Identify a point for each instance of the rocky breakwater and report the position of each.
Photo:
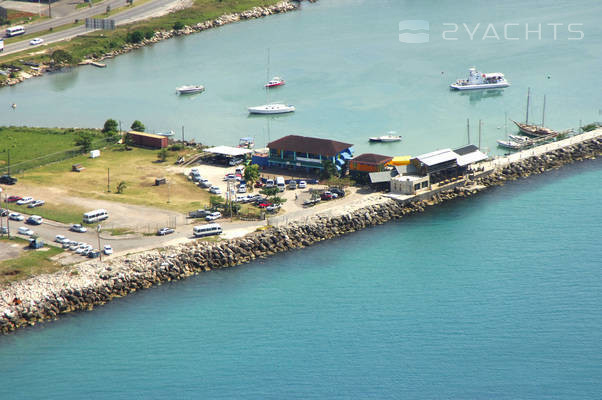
(93, 283)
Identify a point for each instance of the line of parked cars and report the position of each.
(28, 200)
(82, 248)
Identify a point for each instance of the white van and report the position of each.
(207, 230)
(95, 216)
(269, 183)
(292, 184)
(280, 184)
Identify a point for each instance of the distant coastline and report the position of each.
(93, 283)
(225, 19)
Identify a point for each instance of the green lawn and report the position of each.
(55, 212)
(29, 263)
(29, 147)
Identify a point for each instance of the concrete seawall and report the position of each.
(93, 283)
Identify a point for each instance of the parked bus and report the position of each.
(207, 230)
(15, 31)
(95, 216)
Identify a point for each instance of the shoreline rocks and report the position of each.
(46, 297)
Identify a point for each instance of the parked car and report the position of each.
(264, 205)
(240, 170)
(108, 250)
(8, 180)
(4, 212)
(16, 217)
(36, 41)
(302, 184)
(194, 171)
(229, 177)
(242, 188)
(259, 184)
(215, 190)
(3, 230)
(59, 238)
(94, 254)
(165, 231)
(269, 183)
(78, 228)
(292, 184)
(204, 183)
(35, 220)
(25, 231)
(12, 199)
(213, 216)
(36, 203)
(273, 208)
(326, 195)
(337, 191)
(24, 200)
(235, 161)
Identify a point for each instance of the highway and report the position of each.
(124, 17)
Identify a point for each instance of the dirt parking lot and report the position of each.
(10, 250)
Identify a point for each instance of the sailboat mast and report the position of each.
(528, 98)
(543, 115)
(506, 124)
(468, 129)
(479, 134)
(267, 78)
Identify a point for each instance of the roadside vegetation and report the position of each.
(98, 43)
(29, 262)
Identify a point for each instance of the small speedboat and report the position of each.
(274, 108)
(477, 80)
(275, 81)
(190, 89)
(166, 133)
(390, 137)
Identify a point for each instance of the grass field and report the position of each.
(138, 168)
(54, 212)
(42, 144)
(29, 263)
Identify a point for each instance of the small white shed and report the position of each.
(95, 153)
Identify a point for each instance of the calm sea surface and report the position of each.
(494, 297)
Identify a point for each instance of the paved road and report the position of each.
(121, 18)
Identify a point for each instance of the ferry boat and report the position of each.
(275, 81)
(273, 108)
(478, 80)
(386, 138)
(190, 89)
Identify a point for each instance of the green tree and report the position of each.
(61, 56)
(110, 126)
(162, 155)
(277, 200)
(270, 191)
(178, 25)
(216, 201)
(138, 126)
(251, 174)
(84, 140)
(121, 187)
(134, 37)
(328, 169)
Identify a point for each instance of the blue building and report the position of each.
(301, 152)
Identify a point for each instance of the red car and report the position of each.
(264, 205)
(12, 199)
(258, 184)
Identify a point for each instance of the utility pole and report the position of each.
(7, 218)
(182, 133)
(98, 236)
(49, 9)
(468, 129)
(8, 167)
(528, 98)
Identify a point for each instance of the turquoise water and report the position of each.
(347, 72)
(493, 297)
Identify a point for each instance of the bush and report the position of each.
(176, 147)
(178, 25)
(134, 37)
(149, 34)
(62, 57)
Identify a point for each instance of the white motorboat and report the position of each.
(390, 137)
(190, 89)
(273, 108)
(521, 139)
(275, 81)
(166, 133)
(478, 80)
(509, 144)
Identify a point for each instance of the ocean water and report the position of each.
(347, 73)
(497, 296)
(492, 297)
